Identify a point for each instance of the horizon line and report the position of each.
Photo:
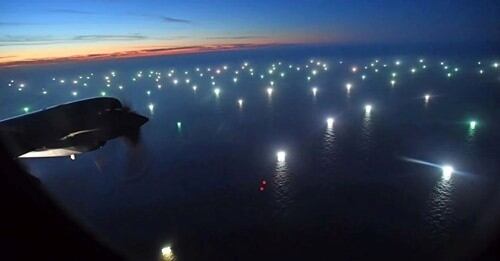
(148, 52)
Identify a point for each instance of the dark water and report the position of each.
(346, 192)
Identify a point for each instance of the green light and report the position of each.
(472, 125)
(103, 93)
(26, 109)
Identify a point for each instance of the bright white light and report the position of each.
(103, 93)
(151, 107)
(175, 81)
(393, 82)
(413, 70)
(354, 69)
(495, 65)
(235, 79)
(368, 108)
(217, 91)
(393, 74)
(26, 109)
(179, 124)
(44, 92)
(148, 93)
(427, 97)
(240, 102)
(329, 122)
(195, 87)
(447, 171)
(398, 63)
(363, 76)
(281, 156)
(314, 72)
(348, 86)
(74, 93)
(269, 91)
(314, 90)
(72, 157)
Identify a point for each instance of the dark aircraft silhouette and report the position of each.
(70, 129)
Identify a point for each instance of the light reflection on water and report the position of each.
(329, 151)
(281, 183)
(366, 134)
(441, 209)
(471, 136)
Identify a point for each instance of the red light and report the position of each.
(261, 188)
(264, 182)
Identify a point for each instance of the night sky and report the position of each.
(33, 30)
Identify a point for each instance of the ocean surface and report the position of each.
(205, 183)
